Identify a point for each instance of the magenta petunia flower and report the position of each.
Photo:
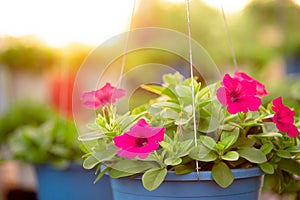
(105, 95)
(284, 118)
(260, 88)
(140, 140)
(238, 95)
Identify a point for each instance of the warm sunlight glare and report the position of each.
(61, 22)
(230, 6)
(297, 1)
(176, 1)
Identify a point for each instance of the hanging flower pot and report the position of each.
(236, 137)
(247, 186)
(73, 183)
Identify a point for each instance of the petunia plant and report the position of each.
(225, 126)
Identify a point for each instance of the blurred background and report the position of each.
(44, 43)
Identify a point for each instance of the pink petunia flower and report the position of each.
(103, 96)
(260, 88)
(238, 95)
(140, 140)
(284, 118)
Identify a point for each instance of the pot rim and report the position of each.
(207, 176)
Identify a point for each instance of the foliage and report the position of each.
(22, 113)
(36, 134)
(31, 58)
(224, 139)
(269, 30)
(28, 53)
(261, 32)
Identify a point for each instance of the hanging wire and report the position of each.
(192, 78)
(229, 39)
(126, 44)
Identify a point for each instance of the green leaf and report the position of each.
(290, 166)
(209, 142)
(268, 134)
(267, 148)
(284, 154)
(169, 114)
(231, 130)
(105, 155)
(243, 142)
(139, 109)
(267, 168)
(294, 149)
(93, 135)
(90, 162)
(204, 113)
(165, 145)
(153, 178)
(113, 173)
(253, 155)
(230, 156)
(229, 140)
(188, 109)
(126, 121)
(222, 175)
(132, 166)
(100, 175)
(171, 105)
(185, 147)
(203, 154)
(173, 161)
(183, 91)
(184, 169)
(160, 91)
(208, 125)
(219, 148)
(173, 79)
(204, 92)
(182, 121)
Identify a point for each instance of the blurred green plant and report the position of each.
(35, 134)
(55, 142)
(21, 114)
(264, 30)
(30, 54)
(31, 58)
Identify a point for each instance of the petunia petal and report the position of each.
(260, 88)
(239, 94)
(284, 118)
(139, 141)
(101, 97)
(277, 104)
(221, 95)
(90, 100)
(255, 103)
(290, 129)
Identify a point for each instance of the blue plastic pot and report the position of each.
(246, 186)
(74, 183)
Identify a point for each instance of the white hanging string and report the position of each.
(229, 39)
(126, 44)
(192, 78)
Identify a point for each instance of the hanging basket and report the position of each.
(246, 186)
(73, 183)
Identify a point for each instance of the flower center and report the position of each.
(140, 142)
(234, 96)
